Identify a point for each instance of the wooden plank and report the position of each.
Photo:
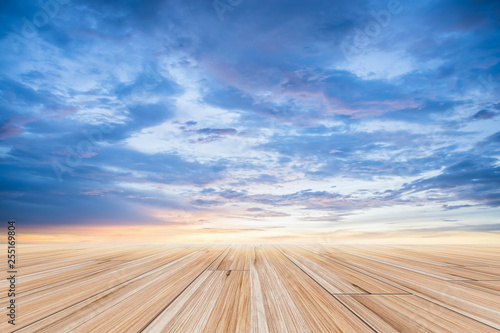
(277, 307)
(468, 254)
(232, 310)
(493, 273)
(216, 302)
(71, 258)
(191, 310)
(146, 294)
(492, 287)
(438, 271)
(112, 269)
(408, 313)
(481, 255)
(236, 257)
(55, 275)
(156, 298)
(432, 255)
(41, 302)
(322, 311)
(476, 304)
(335, 278)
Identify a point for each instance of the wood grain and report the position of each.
(255, 288)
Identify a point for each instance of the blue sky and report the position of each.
(278, 120)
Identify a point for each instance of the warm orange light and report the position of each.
(185, 233)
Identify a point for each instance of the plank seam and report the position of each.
(412, 293)
(348, 308)
(190, 283)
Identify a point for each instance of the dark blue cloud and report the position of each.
(218, 131)
(484, 114)
(476, 178)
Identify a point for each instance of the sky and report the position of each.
(251, 121)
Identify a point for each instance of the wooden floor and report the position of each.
(256, 288)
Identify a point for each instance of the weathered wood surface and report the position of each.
(255, 288)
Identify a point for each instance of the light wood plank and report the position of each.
(236, 257)
(335, 278)
(394, 313)
(492, 287)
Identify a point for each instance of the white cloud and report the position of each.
(379, 65)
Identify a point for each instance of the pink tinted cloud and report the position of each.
(61, 113)
(305, 93)
(102, 192)
(14, 126)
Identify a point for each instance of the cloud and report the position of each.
(255, 209)
(484, 114)
(13, 126)
(158, 109)
(264, 213)
(218, 131)
(475, 178)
